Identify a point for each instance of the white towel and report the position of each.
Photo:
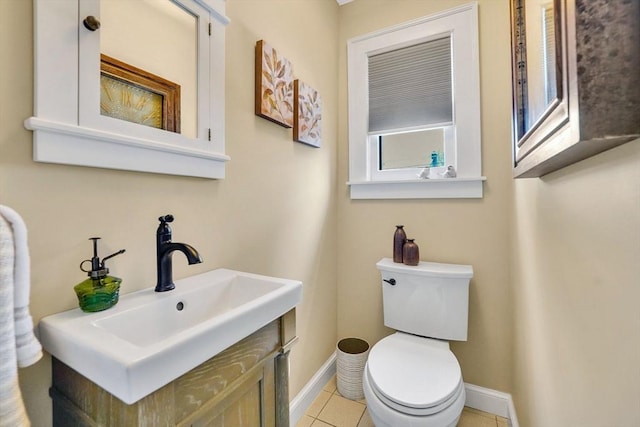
(28, 349)
(18, 345)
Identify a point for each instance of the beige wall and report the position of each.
(576, 281)
(553, 315)
(473, 231)
(275, 213)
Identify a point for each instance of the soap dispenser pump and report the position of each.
(100, 291)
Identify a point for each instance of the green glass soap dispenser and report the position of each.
(100, 291)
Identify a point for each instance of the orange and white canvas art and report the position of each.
(307, 126)
(274, 86)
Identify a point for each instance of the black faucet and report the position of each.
(164, 249)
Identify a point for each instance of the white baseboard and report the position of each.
(491, 401)
(303, 400)
(481, 398)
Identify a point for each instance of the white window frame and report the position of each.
(365, 180)
(67, 70)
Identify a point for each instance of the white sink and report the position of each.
(151, 338)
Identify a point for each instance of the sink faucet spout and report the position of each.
(164, 249)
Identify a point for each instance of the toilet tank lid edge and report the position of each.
(425, 268)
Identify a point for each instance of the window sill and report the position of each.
(443, 188)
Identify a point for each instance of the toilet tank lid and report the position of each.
(434, 269)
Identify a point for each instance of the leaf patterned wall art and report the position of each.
(307, 125)
(274, 86)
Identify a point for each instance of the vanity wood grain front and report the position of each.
(244, 385)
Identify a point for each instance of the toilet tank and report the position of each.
(430, 299)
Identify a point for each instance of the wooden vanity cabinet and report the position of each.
(245, 385)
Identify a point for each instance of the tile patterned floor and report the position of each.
(330, 409)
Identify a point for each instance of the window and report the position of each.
(414, 101)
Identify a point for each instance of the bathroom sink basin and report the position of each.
(151, 338)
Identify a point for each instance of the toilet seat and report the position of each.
(385, 416)
(420, 412)
(414, 375)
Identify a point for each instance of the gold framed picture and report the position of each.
(138, 96)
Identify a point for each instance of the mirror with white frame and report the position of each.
(90, 115)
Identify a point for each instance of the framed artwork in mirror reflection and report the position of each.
(138, 96)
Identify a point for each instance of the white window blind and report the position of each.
(410, 87)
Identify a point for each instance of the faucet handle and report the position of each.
(163, 233)
(166, 218)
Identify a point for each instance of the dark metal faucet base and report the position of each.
(165, 288)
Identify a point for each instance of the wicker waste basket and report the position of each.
(352, 356)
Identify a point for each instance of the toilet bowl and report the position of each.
(412, 379)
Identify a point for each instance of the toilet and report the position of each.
(411, 378)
